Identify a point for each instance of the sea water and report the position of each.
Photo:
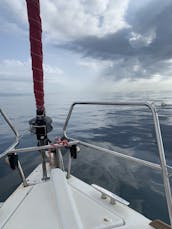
(127, 130)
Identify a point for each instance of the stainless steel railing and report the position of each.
(12, 146)
(163, 166)
(12, 127)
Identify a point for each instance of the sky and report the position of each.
(91, 45)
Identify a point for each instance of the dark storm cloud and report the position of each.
(142, 50)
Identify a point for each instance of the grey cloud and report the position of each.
(138, 51)
(143, 15)
(108, 47)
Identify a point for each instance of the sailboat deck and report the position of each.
(39, 206)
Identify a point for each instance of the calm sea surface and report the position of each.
(127, 130)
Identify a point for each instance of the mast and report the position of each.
(41, 124)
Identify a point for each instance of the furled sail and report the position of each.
(35, 28)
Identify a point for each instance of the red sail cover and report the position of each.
(35, 28)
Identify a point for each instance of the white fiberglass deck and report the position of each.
(70, 204)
